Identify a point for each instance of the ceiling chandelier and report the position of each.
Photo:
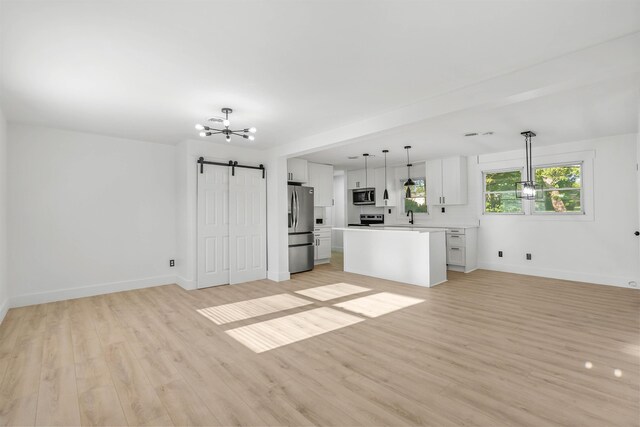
(217, 121)
(409, 181)
(528, 189)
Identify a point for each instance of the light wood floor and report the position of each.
(485, 348)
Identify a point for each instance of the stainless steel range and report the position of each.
(369, 219)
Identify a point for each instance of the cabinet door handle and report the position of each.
(443, 199)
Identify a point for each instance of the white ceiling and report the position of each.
(604, 109)
(151, 70)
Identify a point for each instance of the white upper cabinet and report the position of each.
(433, 178)
(356, 179)
(380, 185)
(297, 171)
(447, 181)
(321, 179)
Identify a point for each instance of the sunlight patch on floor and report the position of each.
(281, 331)
(242, 310)
(337, 290)
(378, 304)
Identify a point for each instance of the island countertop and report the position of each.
(422, 226)
(392, 228)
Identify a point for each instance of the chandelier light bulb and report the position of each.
(528, 190)
(251, 137)
(220, 125)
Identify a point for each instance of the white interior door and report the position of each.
(213, 226)
(247, 226)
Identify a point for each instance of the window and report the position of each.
(418, 201)
(561, 188)
(499, 192)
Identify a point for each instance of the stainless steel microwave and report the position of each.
(364, 196)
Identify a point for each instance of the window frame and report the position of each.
(532, 207)
(401, 198)
(484, 191)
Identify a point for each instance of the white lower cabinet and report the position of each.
(322, 242)
(461, 249)
(456, 255)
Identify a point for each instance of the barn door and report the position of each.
(247, 226)
(213, 226)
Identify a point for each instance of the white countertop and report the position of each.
(441, 226)
(323, 226)
(390, 228)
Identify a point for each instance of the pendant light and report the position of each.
(527, 189)
(366, 176)
(409, 181)
(385, 197)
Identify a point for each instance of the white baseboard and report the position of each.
(186, 284)
(278, 276)
(558, 274)
(3, 309)
(337, 249)
(88, 291)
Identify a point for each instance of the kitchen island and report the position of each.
(417, 257)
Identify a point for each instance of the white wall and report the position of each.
(186, 155)
(88, 214)
(339, 220)
(601, 249)
(4, 278)
(638, 188)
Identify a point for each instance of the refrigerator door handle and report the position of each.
(291, 211)
(297, 209)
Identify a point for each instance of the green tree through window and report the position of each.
(499, 192)
(418, 201)
(561, 187)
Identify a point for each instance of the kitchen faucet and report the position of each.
(410, 212)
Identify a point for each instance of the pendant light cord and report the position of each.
(366, 173)
(385, 171)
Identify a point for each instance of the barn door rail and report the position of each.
(233, 164)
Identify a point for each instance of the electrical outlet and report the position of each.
(528, 257)
(633, 284)
(172, 263)
(499, 254)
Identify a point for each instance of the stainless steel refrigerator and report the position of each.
(301, 249)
